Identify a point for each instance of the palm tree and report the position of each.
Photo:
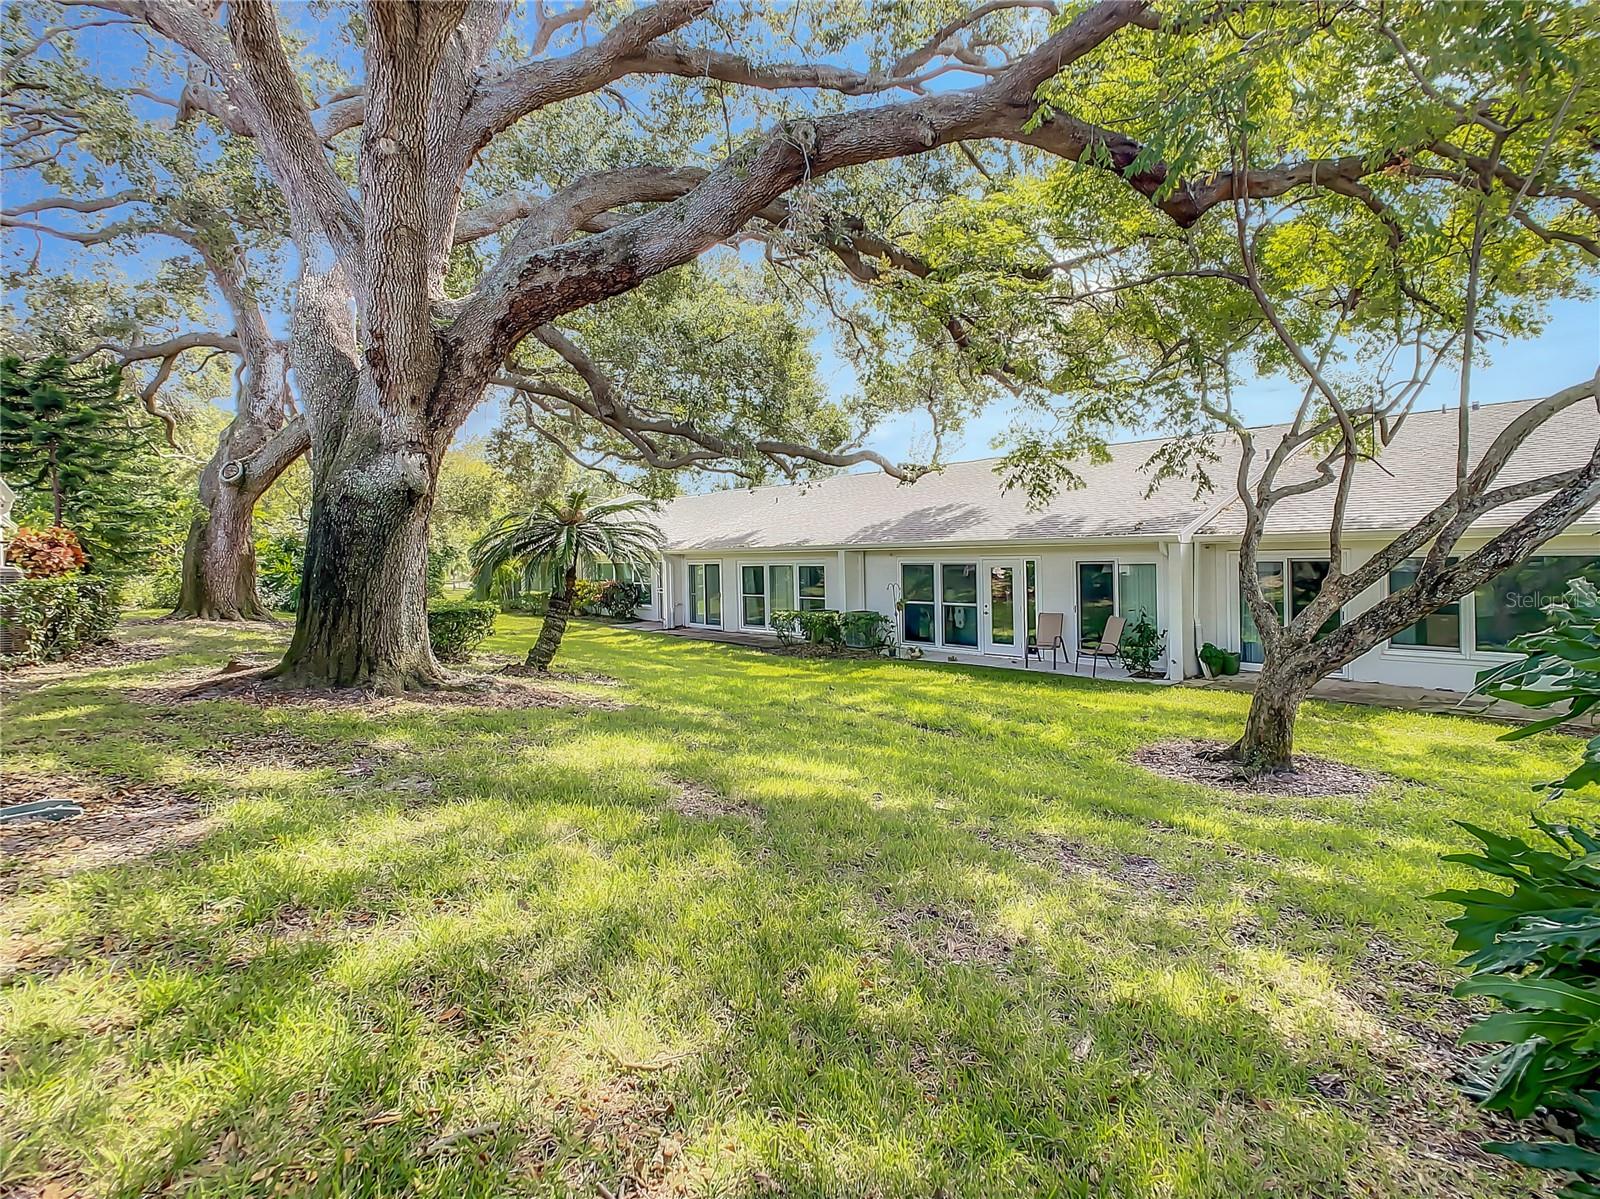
(563, 534)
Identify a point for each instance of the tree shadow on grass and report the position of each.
(540, 946)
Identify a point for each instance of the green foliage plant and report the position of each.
(48, 619)
(824, 627)
(1536, 948)
(1143, 645)
(866, 629)
(457, 627)
(786, 624)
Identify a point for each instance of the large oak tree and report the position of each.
(388, 359)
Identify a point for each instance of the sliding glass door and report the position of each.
(705, 593)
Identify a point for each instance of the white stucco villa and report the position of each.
(962, 566)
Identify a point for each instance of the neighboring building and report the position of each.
(963, 567)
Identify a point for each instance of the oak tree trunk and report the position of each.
(555, 622)
(363, 613)
(219, 563)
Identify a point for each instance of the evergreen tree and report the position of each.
(80, 454)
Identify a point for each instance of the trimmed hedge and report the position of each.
(49, 619)
(457, 627)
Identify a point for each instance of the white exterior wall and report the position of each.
(1217, 600)
(1197, 596)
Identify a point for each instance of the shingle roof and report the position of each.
(965, 502)
(1417, 470)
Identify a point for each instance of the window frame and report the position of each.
(1467, 607)
(701, 565)
(767, 566)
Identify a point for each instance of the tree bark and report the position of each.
(1286, 679)
(219, 557)
(554, 627)
(219, 563)
(363, 613)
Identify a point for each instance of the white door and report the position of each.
(1002, 606)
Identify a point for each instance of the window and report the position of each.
(1441, 630)
(1514, 602)
(782, 588)
(1096, 599)
(705, 593)
(813, 588)
(1136, 591)
(916, 590)
(1290, 585)
(753, 592)
(958, 603)
(1271, 576)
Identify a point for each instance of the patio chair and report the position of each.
(1050, 626)
(1108, 646)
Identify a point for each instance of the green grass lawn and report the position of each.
(737, 924)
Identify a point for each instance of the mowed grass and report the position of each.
(894, 945)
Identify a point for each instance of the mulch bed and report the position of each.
(1196, 762)
(122, 821)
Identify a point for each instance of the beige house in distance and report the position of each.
(962, 567)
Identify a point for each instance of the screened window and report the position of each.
(1097, 598)
(1441, 630)
(958, 603)
(916, 589)
(705, 594)
(1514, 602)
(753, 593)
(813, 588)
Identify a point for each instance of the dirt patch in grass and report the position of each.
(700, 802)
(947, 935)
(121, 822)
(1196, 762)
(1064, 857)
(275, 751)
(471, 692)
(1420, 1059)
(521, 670)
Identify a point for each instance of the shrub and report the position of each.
(457, 627)
(527, 602)
(279, 563)
(620, 600)
(823, 626)
(586, 595)
(46, 553)
(1143, 645)
(786, 624)
(1536, 948)
(866, 629)
(48, 619)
